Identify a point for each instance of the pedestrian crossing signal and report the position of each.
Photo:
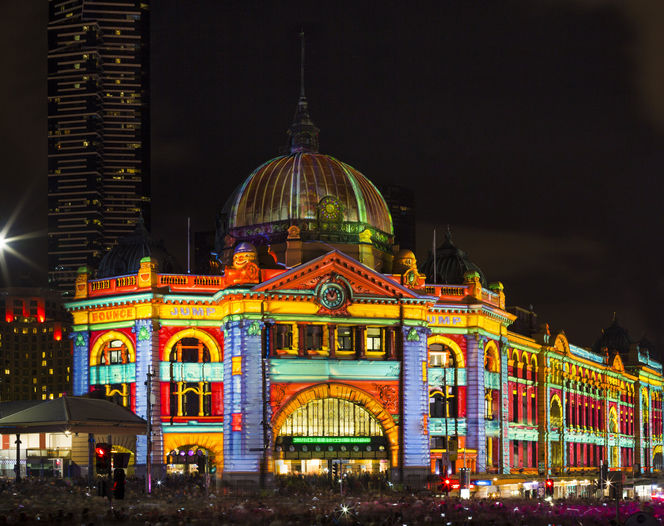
(548, 487)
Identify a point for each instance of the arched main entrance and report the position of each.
(190, 460)
(333, 423)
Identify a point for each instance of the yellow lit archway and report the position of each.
(613, 420)
(458, 354)
(343, 392)
(211, 441)
(95, 353)
(657, 458)
(558, 418)
(209, 341)
(491, 357)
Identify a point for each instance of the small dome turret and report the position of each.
(614, 339)
(125, 257)
(451, 264)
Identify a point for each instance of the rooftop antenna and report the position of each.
(435, 270)
(302, 96)
(188, 245)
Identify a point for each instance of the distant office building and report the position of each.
(98, 130)
(401, 203)
(35, 349)
(203, 248)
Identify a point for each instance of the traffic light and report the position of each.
(548, 488)
(119, 483)
(335, 470)
(446, 486)
(103, 458)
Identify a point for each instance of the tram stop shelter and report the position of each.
(63, 422)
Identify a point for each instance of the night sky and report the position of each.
(534, 129)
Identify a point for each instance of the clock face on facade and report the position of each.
(332, 296)
(330, 209)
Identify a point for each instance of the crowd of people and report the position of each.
(293, 501)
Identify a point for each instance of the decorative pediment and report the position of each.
(561, 344)
(336, 267)
(617, 364)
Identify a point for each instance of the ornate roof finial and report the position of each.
(448, 236)
(302, 96)
(303, 133)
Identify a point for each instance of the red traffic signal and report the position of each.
(548, 489)
(103, 458)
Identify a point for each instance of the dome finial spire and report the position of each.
(302, 96)
(303, 133)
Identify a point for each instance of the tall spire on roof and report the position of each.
(303, 133)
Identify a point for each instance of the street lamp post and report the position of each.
(17, 467)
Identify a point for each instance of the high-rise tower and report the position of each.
(98, 130)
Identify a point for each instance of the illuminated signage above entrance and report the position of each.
(446, 320)
(331, 440)
(110, 315)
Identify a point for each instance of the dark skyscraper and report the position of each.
(98, 130)
(401, 202)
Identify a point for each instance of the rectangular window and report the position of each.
(437, 442)
(488, 414)
(524, 411)
(344, 338)
(515, 452)
(515, 406)
(533, 409)
(437, 359)
(374, 339)
(451, 405)
(314, 337)
(284, 336)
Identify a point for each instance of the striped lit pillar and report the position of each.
(504, 408)
(415, 462)
(243, 400)
(147, 358)
(476, 428)
(81, 362)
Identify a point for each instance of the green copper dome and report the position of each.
(304, 187)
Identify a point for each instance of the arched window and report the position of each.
(443, 404)
(114, 352)
(556, 413)
(331, 417)
(191, 399)
(613, 421)
(437, 405)
(525, 373)
(190, 350)
(118, 394)
(441, 356)
(491, 362)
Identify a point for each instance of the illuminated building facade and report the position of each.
(98, 130)
(316, 342)
(35, 349)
